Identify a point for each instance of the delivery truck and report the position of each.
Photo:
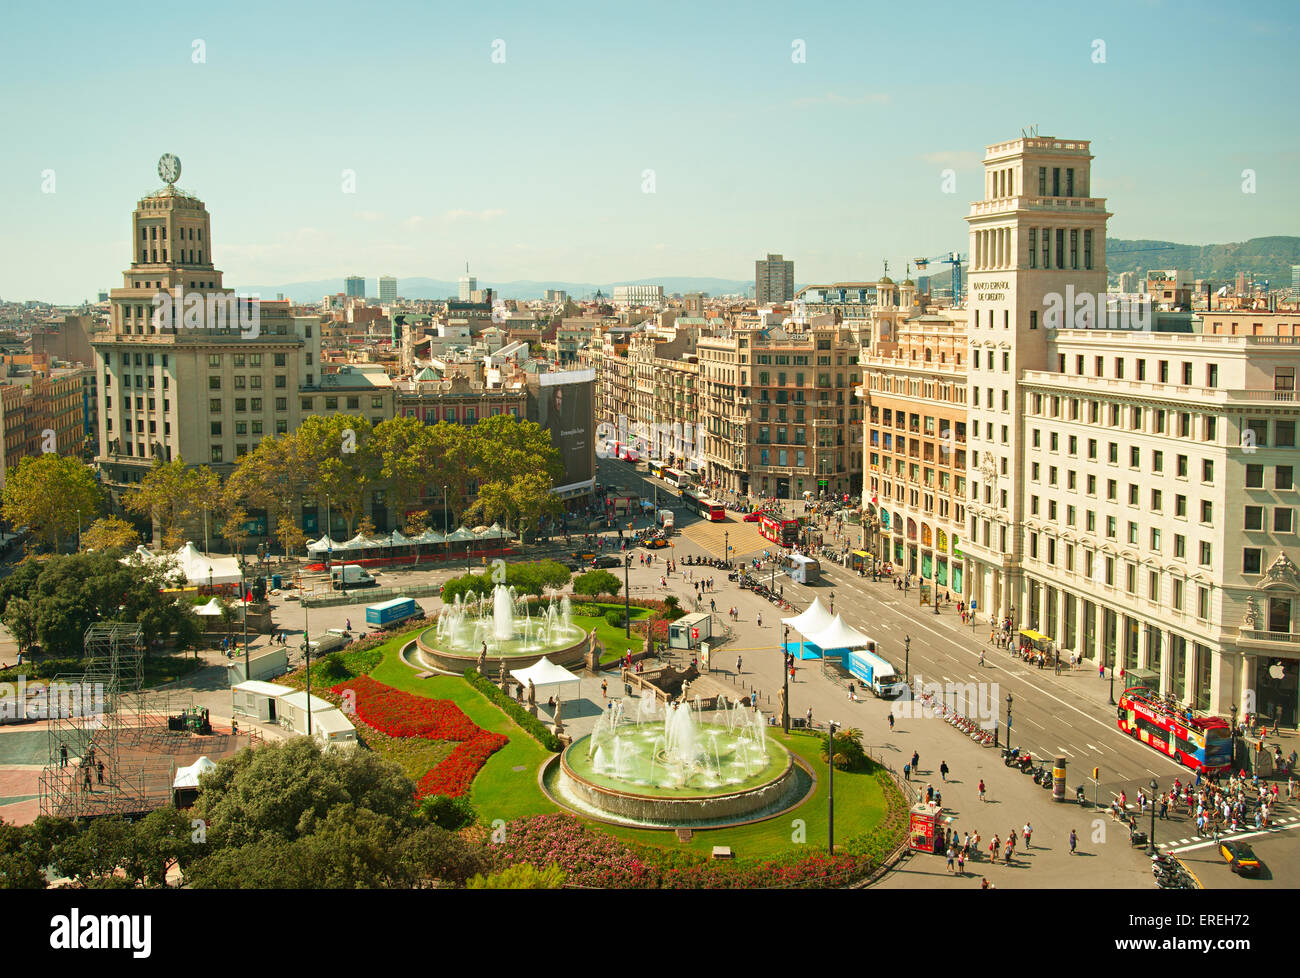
(348, 576)
(876, 673)
(390, 612)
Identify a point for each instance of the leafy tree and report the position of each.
(405, 448)
(283, 791)
(339, 460)
(467, 586)
(20, 618)
(521, 876)
(234, 528)
(290, 534)
(596, 582)
(270, 477)
(172, 493)
(45, 492)
(110, 533)
(21, 859)
(453, 461)
(70, 592)
(447, 812)
(849, 753)
(92, 856)
(417, 522)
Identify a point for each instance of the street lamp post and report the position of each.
(306, 651)
(627, 600)
(830, 808)
(445, 519)
(243, 605)
(907, 656)
(1112, 682)
(78, 531)
(1008, 722)
(785, 680)
(1232, 736)
(1151, 839)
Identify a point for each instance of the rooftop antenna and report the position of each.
(886, 268)
(1029, 131)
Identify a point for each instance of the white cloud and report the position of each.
(369, 216)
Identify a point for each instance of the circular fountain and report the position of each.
(678, 765)
(511, 628)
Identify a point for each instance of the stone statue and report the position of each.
(1251, 613)
(501, 674)
(482, 659)
(780, 699)
(556, 717)
(532, 693)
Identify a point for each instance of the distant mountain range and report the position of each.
(1268, 259)
(432, 288)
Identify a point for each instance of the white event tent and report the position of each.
(544, 672)
(197, 568)
(840, 635)
(188, 777)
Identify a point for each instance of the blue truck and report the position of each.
(389, 612)
(876, 672)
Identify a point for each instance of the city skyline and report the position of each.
(463, 154)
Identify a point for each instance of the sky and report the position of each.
(523, 137)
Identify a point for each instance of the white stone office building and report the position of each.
(1132, 492)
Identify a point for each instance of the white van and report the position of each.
(667, 519)
(348, 576)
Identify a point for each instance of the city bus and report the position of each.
(779, 529)
(1201, 743)
(656, 467)
(677, 479)
(698, 502)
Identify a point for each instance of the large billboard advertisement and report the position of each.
(563, 402)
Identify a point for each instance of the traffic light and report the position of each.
(1095, 771)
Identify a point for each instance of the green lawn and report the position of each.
(612, 639)
(501, 792)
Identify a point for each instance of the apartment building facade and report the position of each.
(914, 384)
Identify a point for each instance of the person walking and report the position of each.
(891, 727)
(993, 849)
(759, 619)
(604, 689)
(347, 627)
(810, 723)
(907, 772)
(981, 789)
(740, 661)
(1074, 841)
(943, 770)
(981, 658)
(961, 862)
(1028, 831)
(952, 856)
(929, 793)
(916, 761)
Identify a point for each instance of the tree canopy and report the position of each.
(51, 495)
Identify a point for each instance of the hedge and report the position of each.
(517, 713)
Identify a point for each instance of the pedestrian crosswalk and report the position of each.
(1196, 841)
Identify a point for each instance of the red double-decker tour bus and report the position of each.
(710, 509)
(1201, 743)
(779, 529)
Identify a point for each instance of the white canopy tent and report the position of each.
(201, 569)
(324, 545)
(815, 619)
(840, 635)
(544, 672)
(197, 568)
(210, 610)
(188, 777)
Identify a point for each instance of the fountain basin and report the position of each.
(440, 659)
(774, 784)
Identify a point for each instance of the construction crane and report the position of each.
(956, 260)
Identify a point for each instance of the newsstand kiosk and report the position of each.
(927, 828)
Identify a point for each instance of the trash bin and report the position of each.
(275, 581)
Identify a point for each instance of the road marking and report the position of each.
(1090, 747)
(1064, 751)
(1233, 838)
(1027, 720)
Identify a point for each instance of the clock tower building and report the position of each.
(1036, 239)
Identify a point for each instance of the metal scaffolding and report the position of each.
(91, 729)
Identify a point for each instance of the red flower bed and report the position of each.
(399, 714)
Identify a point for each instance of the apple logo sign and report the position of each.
(1277, 670)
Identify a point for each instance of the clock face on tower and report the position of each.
(169, 168)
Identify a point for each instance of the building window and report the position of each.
(1282, 477)
(1282, 522)
(1252, 560)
